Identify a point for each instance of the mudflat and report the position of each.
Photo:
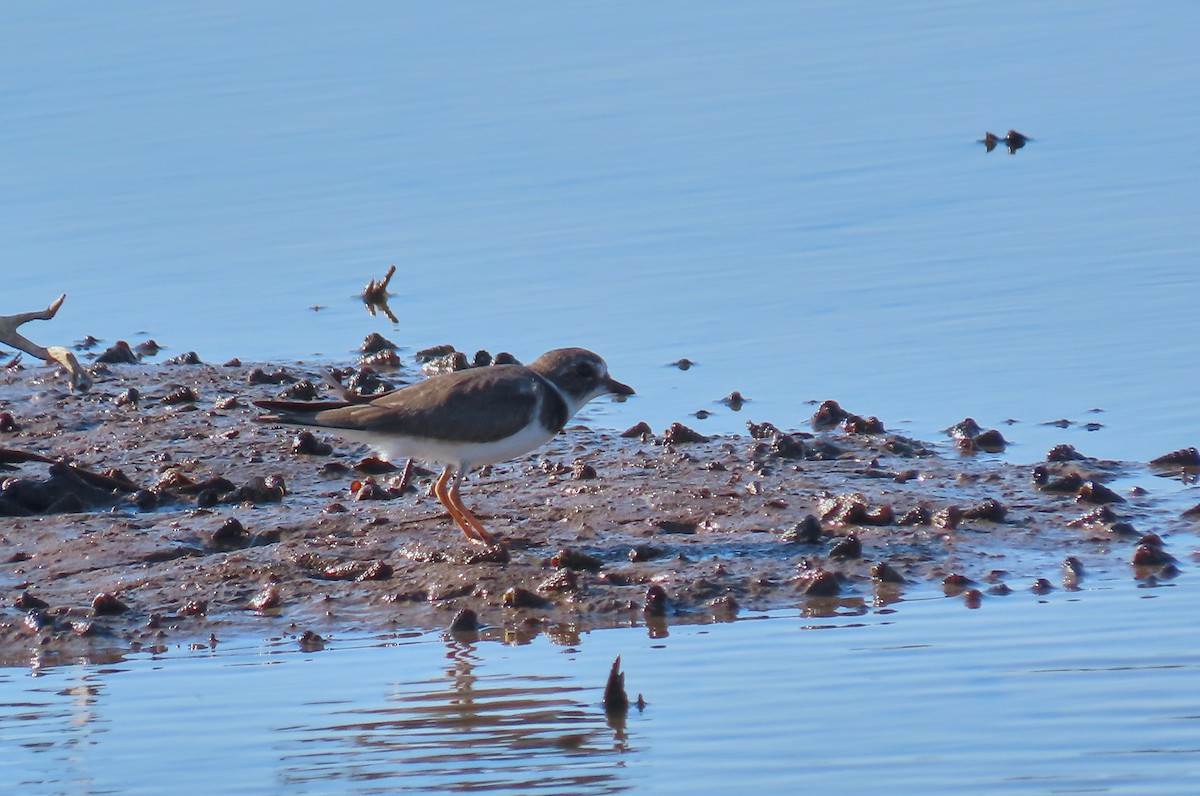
(169, 516)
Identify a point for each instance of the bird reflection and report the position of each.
(468, 730)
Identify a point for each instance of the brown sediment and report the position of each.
(133, 525)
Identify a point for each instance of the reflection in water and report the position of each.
(375, 295)
(467, 733)
(58, 721)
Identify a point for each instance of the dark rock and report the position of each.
(107, 604)
(303, 390)
(465, 621)
(1184, 457)
(679, 434)
(119, 353)
(1095, 492)
(828, 415)
(846, 549)
(640, 431)
(523, 598)
(374, 342)
(883, 572)
(656, 601)
(807, 531)
(306, 444)
(576, 559)
(990, 509)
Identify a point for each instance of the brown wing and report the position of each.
(476, 405)
(292, 408)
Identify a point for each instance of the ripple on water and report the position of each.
(1088, 690)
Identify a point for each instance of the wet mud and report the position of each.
(154, 512)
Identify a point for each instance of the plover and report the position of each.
(465, 419)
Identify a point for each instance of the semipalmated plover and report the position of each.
(465, 419)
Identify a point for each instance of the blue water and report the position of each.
(927, 697)
(790, 195)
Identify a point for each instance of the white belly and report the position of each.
(460, 454)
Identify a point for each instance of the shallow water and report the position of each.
(792, 197)
(1071, 692)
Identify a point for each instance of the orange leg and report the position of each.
(447, 493)
(482, 534)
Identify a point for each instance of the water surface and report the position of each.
(1072, 692)
(791, 196)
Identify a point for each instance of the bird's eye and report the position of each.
(583, 370)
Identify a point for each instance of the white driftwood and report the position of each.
(80, 379)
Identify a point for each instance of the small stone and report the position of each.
(679, 434)
(230, 533)
(641, 430)
(954, 583)
(582, 471)
(828, 415)
(820, 583)
(523, 598)
(378, 570)
(465, 621)
(107, 604)
(883, 572)
(990, 510)
(991, 441)
(119, 353)
(807, 531)
(1095, 492)
(27, 602)
(1149, 555)
(568, 558)
(268, 598)
(306, 444)
(303, 390)
(1184, 457)
(180, 395)
(189, 358)
(656, 601)
(848, 548)
(644, 552)
(735, 401)
(374, 342)
(311, 642)
(562, 581)
(1064, 453)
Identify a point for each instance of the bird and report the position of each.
(989, 140)
(465, 419)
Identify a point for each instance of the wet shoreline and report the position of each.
(229, 531)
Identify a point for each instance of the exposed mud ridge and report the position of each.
(167, 516)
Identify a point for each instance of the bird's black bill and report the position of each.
(617, 388)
